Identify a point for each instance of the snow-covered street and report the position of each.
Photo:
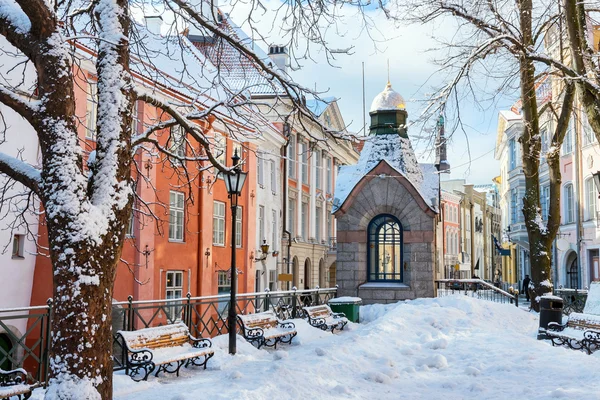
(451, 347)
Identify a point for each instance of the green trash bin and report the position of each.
(347, 305)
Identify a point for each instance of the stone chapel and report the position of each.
(386, 209)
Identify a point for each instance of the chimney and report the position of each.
(279, 55)
(153, 23)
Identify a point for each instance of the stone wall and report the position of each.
(372, 197)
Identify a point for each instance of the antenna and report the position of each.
(363, 93)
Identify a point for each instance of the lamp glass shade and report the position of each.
(596, 176)
(235, 182)
(264, 248)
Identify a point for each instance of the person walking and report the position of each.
(526, 281)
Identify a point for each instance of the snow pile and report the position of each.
(451, 348)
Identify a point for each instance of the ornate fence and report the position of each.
(205, 316)
(476, 288)
(573, 299)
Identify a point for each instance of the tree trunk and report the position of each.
(582, 55)
(87, 212)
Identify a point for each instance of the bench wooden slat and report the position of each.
(322, 317)
(168, 347)
(264, 329)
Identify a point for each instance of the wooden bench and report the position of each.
(322, 317)
(264, 329)
(13, 384)
(581, 332)
(169, 347)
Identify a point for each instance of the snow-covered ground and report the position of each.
(449, 348)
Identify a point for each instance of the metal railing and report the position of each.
(205, 317)
(476, 288)
(29, 348)
(573, 299)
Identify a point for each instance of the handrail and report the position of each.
(481, 282)
(190, 298)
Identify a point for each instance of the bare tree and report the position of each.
(87, 196)
(500, 42)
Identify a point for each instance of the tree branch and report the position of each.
(21, 172)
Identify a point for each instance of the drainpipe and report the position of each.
(287, 133)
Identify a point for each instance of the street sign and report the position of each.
(284, 277)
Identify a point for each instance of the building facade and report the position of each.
(387, 215)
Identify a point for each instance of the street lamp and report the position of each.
(597, 181)
(264, 249)
(234, 182)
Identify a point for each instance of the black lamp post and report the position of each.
(234, 182)
(596, 177)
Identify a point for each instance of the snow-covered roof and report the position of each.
(318, 106)
(398, 153)
(236, 69)
(389, 99)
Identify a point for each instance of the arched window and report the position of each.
(569, 205)
(573, 274)
(590, 196)
(385, 249)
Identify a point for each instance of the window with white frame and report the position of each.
(567, 147)
(292, 157)
(18, 246)
(292, 217)
(512, 148)
(328, 172)
(135, 117)
(319, 169)
(272, 280)
(237, 148)
(588, 133)
(223, 287)
(590, 194)
(177, 143)
(218, 223)
(260, 170)
(304, 221)
(304, 148)
(544, 136)
(261, 224)
(131, 225)
(569, 204)
(219, 149)
(318, 226)
(545, 201)
(238, 227)
(328, 228)
(273, 171)
(92, 110)
(176, 215)
(174, 290)
(274, 232)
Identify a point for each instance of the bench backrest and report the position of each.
(263, 320)
(584, 321)
(322, 311)
(592, 304)
(157, 337)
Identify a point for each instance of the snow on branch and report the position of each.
(21, 172)
(25, 108)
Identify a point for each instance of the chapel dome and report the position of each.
(389, 99)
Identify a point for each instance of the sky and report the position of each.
(411, 73)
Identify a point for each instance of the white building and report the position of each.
(17, 239)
